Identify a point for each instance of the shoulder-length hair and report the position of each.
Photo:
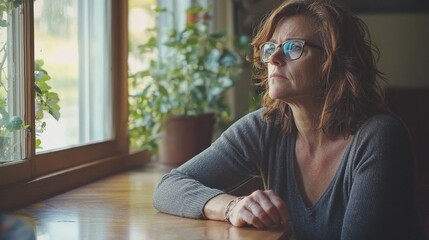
(349, 77)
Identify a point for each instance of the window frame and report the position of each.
(37, 176)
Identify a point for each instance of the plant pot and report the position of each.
(184, 137)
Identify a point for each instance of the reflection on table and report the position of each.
(120, 207)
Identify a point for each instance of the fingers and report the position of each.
(261, 209)
(248, 217)
(280, 207)
(269, 204)
(256, 215)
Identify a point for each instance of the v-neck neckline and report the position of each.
(328, 189)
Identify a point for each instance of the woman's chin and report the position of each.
(277, 94)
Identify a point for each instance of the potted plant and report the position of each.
(184, 84)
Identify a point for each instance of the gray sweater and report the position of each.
(370, 197)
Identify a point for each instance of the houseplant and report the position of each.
(187, 75)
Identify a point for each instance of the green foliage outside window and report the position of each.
(46, 101)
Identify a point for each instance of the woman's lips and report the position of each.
(277, 75)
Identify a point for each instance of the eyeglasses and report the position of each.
(292, 49)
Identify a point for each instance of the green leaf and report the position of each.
(3, 23)
(160, 9)
(146, 90)
(195, 9)
(55, 113)
(15, 123)
(38, 143)
(163, 90)
(17, 3)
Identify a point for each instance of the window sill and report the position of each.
(21, 194)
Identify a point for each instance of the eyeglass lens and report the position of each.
(292, 50)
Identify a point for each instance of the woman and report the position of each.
(335, 164)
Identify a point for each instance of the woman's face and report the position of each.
(295, 80)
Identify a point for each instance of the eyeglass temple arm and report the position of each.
(313, 45)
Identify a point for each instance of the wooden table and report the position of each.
(120, 207)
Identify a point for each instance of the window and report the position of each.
(138, 12)
(82, 46)
(11, 81)
(72, 40)
(141, 11)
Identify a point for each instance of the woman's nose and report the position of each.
(277, 58)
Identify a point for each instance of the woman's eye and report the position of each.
(271, 49)
(296, 47)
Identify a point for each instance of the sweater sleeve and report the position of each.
(381, 202)
(230, 160)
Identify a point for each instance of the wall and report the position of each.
(403, 40)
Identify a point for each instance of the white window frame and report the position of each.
(15, 64)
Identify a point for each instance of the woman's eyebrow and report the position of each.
(286, 39)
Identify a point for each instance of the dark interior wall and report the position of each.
(249, 13)
(412, 106)
(387, 6)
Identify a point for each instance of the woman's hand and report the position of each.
(261, 209)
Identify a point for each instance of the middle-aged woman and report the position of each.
(335, 164)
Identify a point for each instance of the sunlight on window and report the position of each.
(11, 85)
(72, 41)
(140, 17)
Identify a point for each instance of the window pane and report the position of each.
(138, 12)
(11, 86)
(72, 47)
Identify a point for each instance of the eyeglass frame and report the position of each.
(280, 45)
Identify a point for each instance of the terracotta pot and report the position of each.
(191, 18)
(184, 137)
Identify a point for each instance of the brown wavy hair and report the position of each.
(350, 91)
